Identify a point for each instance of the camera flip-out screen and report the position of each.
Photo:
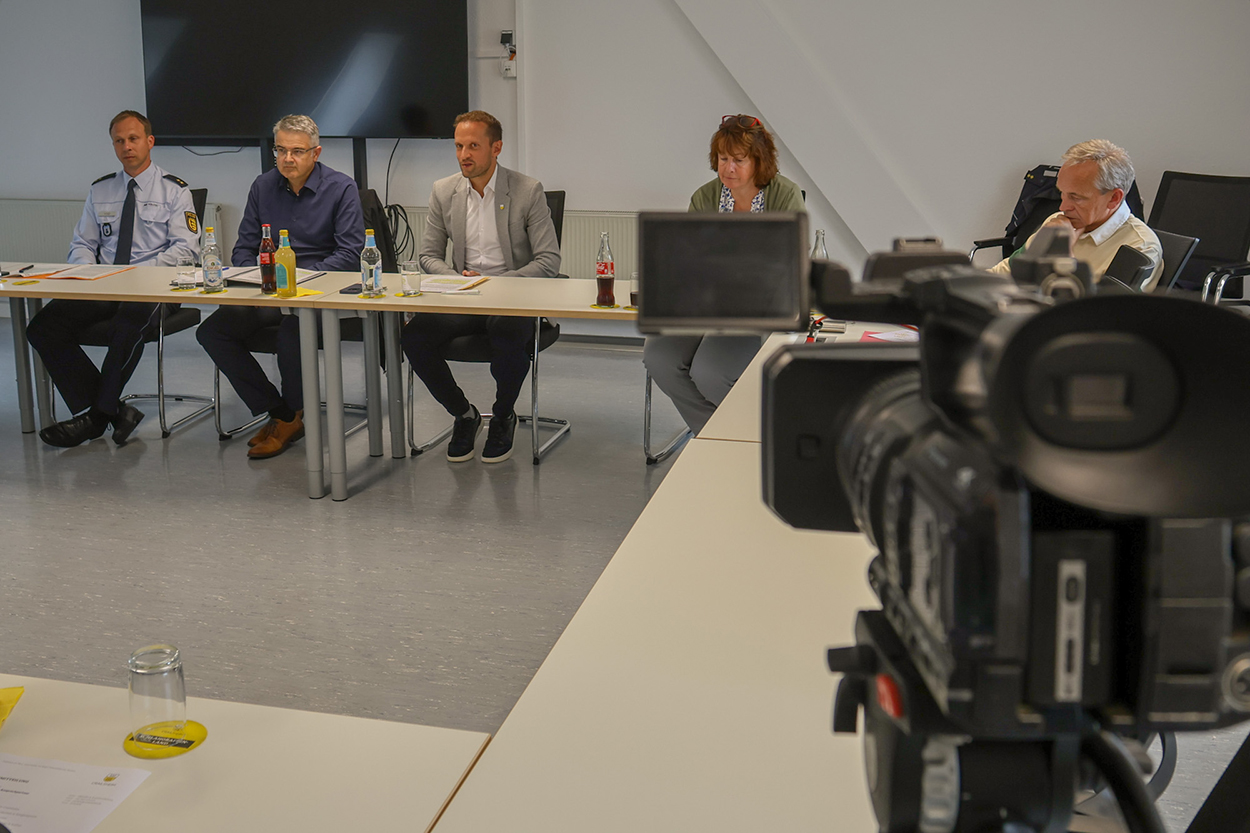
(722, 273)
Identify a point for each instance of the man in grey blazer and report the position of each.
(499, 224)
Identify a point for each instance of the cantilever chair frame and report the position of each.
(669, 448)
(540, 449)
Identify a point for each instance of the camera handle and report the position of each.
(920, 768)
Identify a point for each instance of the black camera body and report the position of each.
(1052, 489)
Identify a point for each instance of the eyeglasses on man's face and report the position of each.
(297, 153)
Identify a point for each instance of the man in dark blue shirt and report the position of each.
(320, 208)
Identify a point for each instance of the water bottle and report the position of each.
(819, 250)
(371, 268)
(605, 274)
(210, 257)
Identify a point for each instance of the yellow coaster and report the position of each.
(598, 306)
(184, 289)
(164, 740)
(24, 283)
(218, 292)
(8, 699)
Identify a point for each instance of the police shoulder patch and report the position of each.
(106, 176)
(173, 178)
(193, 222)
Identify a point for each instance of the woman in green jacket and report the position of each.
(696, 372)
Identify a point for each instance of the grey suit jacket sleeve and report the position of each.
(527, 233)
(438, 231)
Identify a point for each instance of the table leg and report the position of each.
(308, 354)
(394, 382)
(335, 438)
(21, 359)
(373, 385)
(43, 382)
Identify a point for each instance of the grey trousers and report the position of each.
(696, 372)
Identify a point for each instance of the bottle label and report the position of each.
(280, 275)
(605, 269)
(266, 258)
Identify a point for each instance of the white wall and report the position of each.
(898, 117)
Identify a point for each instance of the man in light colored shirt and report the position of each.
(141, 215)
(1092, 181)
(498, 223)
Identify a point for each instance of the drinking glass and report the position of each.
(185, 276)
(410, 270)
(158, 692)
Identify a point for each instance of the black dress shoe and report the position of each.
(126, 421)
(73, 432)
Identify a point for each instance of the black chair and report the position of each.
(1127, 272)
(1177, 249)
(476, 348)
(173, 319)
(1215, 210)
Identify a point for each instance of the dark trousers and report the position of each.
(425, 339)
(54, 333)
(230, 335)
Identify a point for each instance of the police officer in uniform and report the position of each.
(138, 216)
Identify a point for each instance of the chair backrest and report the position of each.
(555, 203)
(1213, 209)
(199, 198)
(1177, 249)
(1130, 267)
(375, 218)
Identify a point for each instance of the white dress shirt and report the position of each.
(482, 252)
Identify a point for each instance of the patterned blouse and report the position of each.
(727, 201)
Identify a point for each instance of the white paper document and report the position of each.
(251, 275)
(44, 796)
(450, 283)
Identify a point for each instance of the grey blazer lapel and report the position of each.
(503, 210)
(459, 220)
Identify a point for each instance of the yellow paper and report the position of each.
(8, 699)
(301, 292)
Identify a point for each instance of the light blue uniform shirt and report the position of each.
(165, 221)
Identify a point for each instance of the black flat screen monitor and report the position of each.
(722, 273)
(230, 69)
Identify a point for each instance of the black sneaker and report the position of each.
(499, 439)
(463, 435)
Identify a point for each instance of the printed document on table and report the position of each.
(44, 796)
(88, 272)
(451, 283)
(251, 275)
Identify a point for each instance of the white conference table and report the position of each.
(690, 690)
(512, 296)
(260, 769)
(537, 297)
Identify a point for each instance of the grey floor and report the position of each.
(431, 596)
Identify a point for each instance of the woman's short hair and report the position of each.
(1115, 169)
(735, 138)
(299, 124)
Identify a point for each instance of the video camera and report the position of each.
(1054, 491)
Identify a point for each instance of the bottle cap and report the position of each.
(264, 225)
(282, 231)
(369, 231)
(208, 229)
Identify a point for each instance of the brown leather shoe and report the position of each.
(279, 439)
(263, 434)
